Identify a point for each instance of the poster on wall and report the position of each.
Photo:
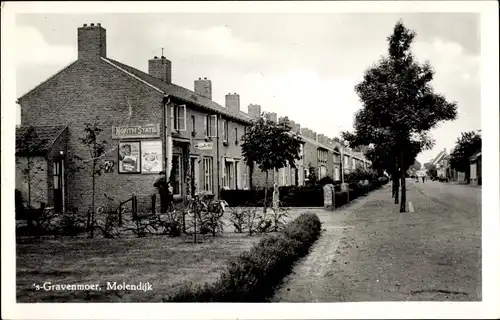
(151, 156)
(129, 160)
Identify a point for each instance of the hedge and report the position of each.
(297, 196)
(255, 274)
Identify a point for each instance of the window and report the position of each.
(306, 174)
(236, 135)
(228, 175)
(193, 124)
(353, 163)
(224, 130)
(211, 126)
(207, 174)
(177, 174)
(179, 117)
(337, 174)
(346, 162)
(322, 172)
(322, 155)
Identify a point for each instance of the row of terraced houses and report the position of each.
(151, 125)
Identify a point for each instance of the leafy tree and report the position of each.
(270, 146)
(399, 107)
(467, 144)
(30, 146)
(96, 150)
(416, 166)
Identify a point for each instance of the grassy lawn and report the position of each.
(166, 263)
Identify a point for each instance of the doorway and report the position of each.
(58, 185)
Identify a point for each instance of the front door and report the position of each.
(58, 186)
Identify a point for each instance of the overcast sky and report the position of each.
(304, 66)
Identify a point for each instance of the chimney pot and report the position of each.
(91, 42)
(205, 78)
(99, 24)
(203, 87)
(160, 69)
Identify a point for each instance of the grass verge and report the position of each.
(255, 274)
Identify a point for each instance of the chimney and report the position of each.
(321, 138)
(160, 68)
(233, 102)
(203, 87)
(91, 42)
(254, 111)
(272, 116)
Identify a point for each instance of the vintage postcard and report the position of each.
(322, 159)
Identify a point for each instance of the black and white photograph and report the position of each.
(325, 154)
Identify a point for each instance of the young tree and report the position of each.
(270, 146)
(467, 144)
(96, 150)
(30, 146)
(399, 105)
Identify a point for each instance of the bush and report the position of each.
(254, 275)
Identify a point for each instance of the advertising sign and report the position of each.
(129, 160)
(136, 131)
(202, 145)
(151, 156)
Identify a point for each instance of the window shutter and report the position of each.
(181, 116)
(224, 179)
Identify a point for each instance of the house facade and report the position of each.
(150, 126)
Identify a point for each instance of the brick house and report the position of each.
(150, 125)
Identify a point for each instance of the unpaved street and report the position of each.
(371, 252)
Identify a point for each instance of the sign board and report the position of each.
(151, 156)
(137, 131)
(328, 195)
(202, 145)
(129, 157)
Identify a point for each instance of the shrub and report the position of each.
(239, 219)
(254, 275)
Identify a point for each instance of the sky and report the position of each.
(300, 65)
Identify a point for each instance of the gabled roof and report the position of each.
(46, 136)
(178, 91)
(439, 157)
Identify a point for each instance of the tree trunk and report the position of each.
(396, 190)
(394, 179)
(402, 207)
(250, 178)
(265, 191)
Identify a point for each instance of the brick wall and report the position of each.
(90, 88)
(39, 173)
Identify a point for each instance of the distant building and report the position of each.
(475, 168)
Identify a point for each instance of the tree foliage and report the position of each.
(467, 144)
(270, 146)
(399, 108)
